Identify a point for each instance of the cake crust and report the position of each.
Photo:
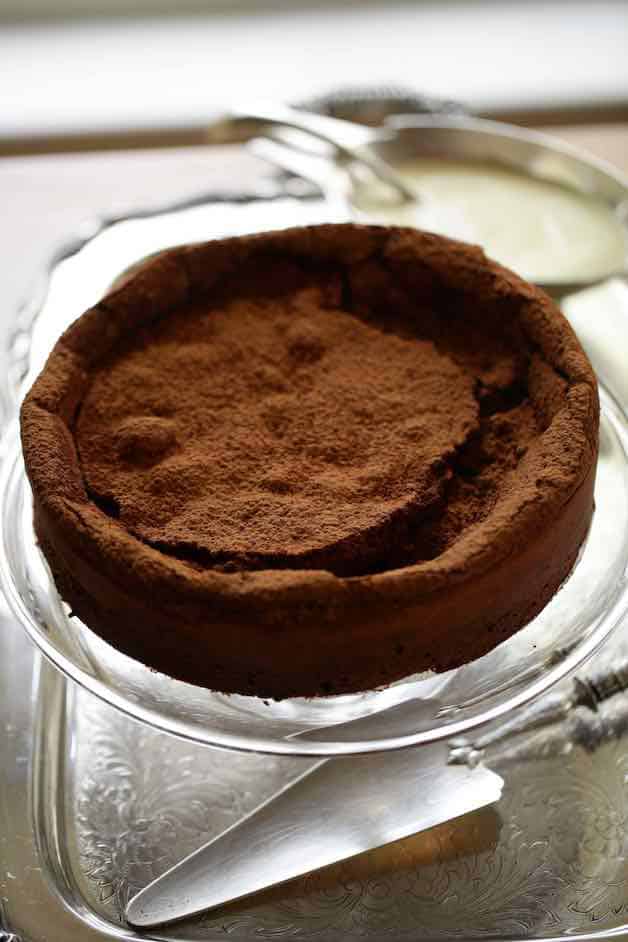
(313, 461)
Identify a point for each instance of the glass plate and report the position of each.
(417, 710)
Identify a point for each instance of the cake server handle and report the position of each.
(557, 723)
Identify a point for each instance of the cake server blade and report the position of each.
(336, 809)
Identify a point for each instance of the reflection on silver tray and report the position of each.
(94, 805)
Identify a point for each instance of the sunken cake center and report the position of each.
(274, 432)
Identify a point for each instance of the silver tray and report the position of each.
(94, 805)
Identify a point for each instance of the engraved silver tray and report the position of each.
(94, 805)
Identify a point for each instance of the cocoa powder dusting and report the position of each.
(311, 416)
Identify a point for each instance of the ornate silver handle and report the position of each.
(556, 724)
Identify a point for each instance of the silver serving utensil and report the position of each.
(556, 723)
(350, 140)
(337, 808)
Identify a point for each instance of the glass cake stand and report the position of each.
(418, 709)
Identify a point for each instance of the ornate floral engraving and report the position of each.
(551, 858)
(145, 800)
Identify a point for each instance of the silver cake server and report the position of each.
(341, 807)
(336, 809)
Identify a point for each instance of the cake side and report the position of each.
(322, 644)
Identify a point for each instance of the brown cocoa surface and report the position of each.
(292, 426)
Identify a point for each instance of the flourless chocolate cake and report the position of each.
(313, 461)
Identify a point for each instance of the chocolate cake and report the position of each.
(313, 461)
